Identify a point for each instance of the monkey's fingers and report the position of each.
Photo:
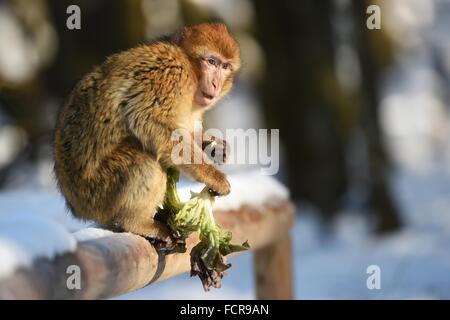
(161, 245)
(167, 247)
(221, 187)
(213, 193)
(224, 150)
(216, 150)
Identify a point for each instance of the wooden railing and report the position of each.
(123, 262)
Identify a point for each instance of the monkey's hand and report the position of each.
(219, 184)
(216, 149)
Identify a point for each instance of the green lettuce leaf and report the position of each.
(207, 257)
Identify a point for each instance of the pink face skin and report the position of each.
(214, 70)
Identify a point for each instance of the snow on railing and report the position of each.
(112, 264)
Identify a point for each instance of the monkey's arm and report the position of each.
(157, 139)
(153, 124)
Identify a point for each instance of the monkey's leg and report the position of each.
(146, 227)
(130, 187)
(141, 197)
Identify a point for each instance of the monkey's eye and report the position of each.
(212, 62)
(226, 66)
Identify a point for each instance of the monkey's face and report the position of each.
(214, 71)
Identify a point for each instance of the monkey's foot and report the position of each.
(160, 245)
(168, 245)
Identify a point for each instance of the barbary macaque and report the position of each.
(113, 136)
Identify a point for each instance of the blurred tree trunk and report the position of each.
(302, 96)
(107, 27)
(297, 38)
(375, 53)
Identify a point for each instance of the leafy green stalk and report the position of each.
(197, 215)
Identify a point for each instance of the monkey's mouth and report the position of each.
(207, 96)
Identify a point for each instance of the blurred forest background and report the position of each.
(356, 108)
(311, 68)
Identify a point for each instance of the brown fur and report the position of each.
(112, 140)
